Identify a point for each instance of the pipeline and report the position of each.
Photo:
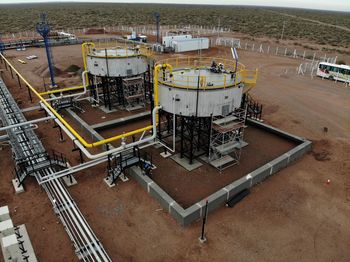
(30, 122)
(26, 143)
(72, 130)
(56, 91)
(77, 95)
(114, 150)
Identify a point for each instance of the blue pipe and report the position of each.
(48, 54)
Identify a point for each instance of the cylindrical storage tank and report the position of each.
(200, 92)
(116, 62)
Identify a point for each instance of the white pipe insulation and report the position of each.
(77, 95)
(114, 150)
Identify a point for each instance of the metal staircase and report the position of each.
(122, 161)
(254, 109)
(226, 139)
(134, 93)
(38, 162)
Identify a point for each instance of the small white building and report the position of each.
(168, 40)
(190, 44)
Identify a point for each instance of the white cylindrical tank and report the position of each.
(200, 92)
(116, 62)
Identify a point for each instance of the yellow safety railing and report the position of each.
(69, 127)
(181, 77)
(198, 62)
(129, 52)
(249, 78)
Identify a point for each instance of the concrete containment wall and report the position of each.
(220, 197)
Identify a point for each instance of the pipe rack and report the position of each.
(26, 143)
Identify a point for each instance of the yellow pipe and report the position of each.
(61, 90)
(156, 84)
(69, 127)
(84, 48)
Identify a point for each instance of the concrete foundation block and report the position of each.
(136, 173)
(177, 212)
(108, 182)
(18, 189)
(193, 213)
(237, 186)
(163, 198)
(260, 174)
(69, 181)
(185, 163)
(165, 154)
(279, 163)
(216, 200)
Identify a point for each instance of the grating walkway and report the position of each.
(26, 145)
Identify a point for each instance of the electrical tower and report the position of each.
(157, 16)
(43, 29)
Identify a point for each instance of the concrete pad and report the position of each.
(108, 183)
(165, 154)
(123, 177)
(202, 240)
(4, 213)
(157, 146)
(68, 182)
(204, 158)
(185, 163)
(106, 110)
(18, 189)
(27, 243)
(243, 144)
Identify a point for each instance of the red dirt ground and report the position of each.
(293, 216)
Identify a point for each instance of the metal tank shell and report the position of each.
(200, 92)
(116, 62)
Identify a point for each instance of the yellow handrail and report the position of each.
(156, 83)
(61, 90)
(248, 77)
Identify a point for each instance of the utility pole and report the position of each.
(202, 238)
